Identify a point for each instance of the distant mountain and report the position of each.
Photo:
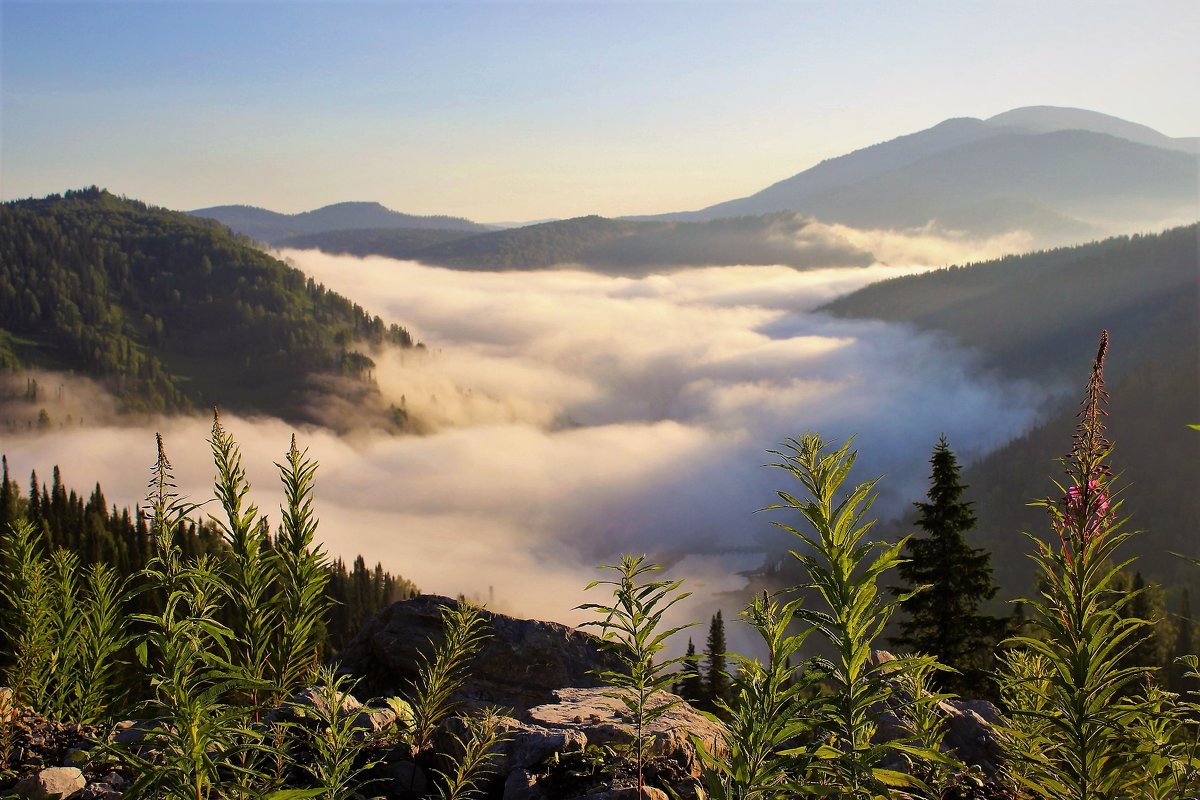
(1060, 173)
(1038, 317)
(272, 227)
(403, 243)
(1047, 119)
(172, 311)
(624, 247)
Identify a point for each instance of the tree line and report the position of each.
(98, 533)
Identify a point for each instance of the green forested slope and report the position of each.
(169, 310)
(1038, 317)
(611, 246)
(272, 227)
(390, 242)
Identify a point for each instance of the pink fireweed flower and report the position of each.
(1085, 510)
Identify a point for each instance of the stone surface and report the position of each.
(530, 745)
(521, 664)
(522, 785)
(971, 735)
(401, 778)
(604, 720)
(648, 793)
(52, 784)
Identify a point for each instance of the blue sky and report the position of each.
(514, 111)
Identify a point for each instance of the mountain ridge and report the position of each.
(884, 176)
(268, 226)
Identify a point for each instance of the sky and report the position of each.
(505, 111)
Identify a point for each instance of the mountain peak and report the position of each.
(1049, 119)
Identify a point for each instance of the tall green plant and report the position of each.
(768, 717)
(201, 738)
(335, 742)
(477, 750)
(1085, 749)
(632, 630)
(844, 568)
(100, 641)
(27, 592)
(443, 672)
(68, 633)
(301, 572)
(249, 581)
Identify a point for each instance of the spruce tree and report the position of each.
(691, 684)
(716, 678)
(944, 619)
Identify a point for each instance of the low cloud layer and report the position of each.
(574, 416)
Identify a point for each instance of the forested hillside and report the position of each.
(613, 246)
(168, 310)
(1035, 317)
(272, 227)
(400, 243)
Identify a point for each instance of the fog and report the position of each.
(571, 417)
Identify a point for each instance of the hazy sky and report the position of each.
(516, 111)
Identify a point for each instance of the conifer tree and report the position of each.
(716, 678)
(944, 619)
(691, 684)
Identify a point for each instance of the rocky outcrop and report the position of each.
(596, 718)
(521, 665)
(52, 783)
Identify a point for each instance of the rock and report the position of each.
(522, 785)
(77, 757)
(604, 720)
(374, 720)
(648, 793)
(530, 745)
(401, 778)
(132, 731)
(521, 663)
(970, 734)
(311, 702)
(52, 784)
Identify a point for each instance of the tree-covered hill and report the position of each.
(168, 310)
(1037, 317)
(272, 227)
(402, 243)
(613, 246)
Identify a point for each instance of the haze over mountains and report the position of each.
(658, 358)
(1060, 173)
(1049, 175)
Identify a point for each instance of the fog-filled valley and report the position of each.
(567, 417)
(599, 401)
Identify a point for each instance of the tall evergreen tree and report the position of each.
(691, 684)
(944, 619)
(716, 678)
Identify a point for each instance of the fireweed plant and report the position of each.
(631, 629)
(844, 568)
(1086, 719)
(768, 717)
(67, 628)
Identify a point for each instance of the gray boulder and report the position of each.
(521, 664)
(604, 720)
